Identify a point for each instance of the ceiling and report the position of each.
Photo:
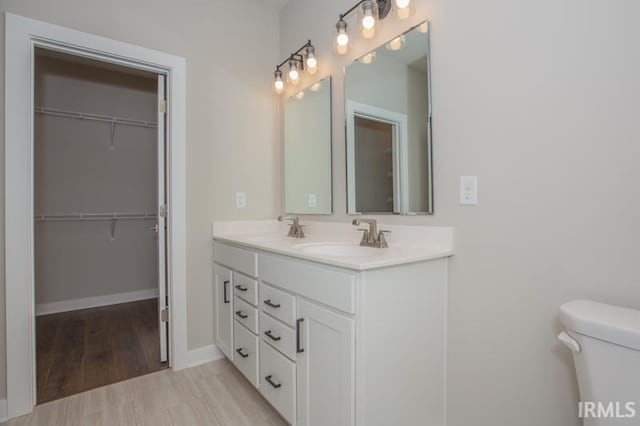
(278, 4)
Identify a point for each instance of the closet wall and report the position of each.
(81, 168)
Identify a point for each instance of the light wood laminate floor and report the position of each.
(212, 394)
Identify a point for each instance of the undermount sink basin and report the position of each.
(339, 250)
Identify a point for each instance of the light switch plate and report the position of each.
(469, 190)
(241, 200)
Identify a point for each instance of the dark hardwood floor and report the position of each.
(82, 350)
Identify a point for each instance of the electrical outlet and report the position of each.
(469, 190)
(313, 200)
(241, 200)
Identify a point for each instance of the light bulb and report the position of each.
(396, 44)
(278, 84)
(317, 86)
(311, 61)
(403, 3)
(368, 58)
(402, 8)
(342, 39)
(300, 96)
(294, 75)
(424, 27)
(368, 20)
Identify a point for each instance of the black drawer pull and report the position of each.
(271, 336)
(241, 315)
(271, 382)
(268, 302)
(226, 296)
(239, 287)
(299, 349)
(242, 354)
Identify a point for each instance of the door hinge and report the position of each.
(162, 211)
(164, 315)
(162, 106)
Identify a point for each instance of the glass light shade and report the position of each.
(278, 84)
(294, 74)
(368, 15)
(316, 86)
(342, 37)
(402, 3)
(368, 33)
(311, 61)
(403, 8)
(368, 58)
(396, 44)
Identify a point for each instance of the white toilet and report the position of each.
(605, 341)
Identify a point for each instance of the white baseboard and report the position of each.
(93, 302)
(204, 354)
(3, 410)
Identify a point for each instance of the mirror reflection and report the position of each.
(307, 150)
(388, 110)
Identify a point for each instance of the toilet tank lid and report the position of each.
(610, 323)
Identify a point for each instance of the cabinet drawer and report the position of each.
(236, 258)
(324, 284)
(278, 381)
(245, 288)
(245, 314)
(278, 335)
(246, 353)
(278, 304)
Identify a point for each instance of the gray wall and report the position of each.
(540, 100)
(77, 172)
(232, 140)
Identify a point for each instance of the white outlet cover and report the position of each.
(241, 200)
(469, 190)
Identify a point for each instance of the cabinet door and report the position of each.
(326, 370)
(223, 304)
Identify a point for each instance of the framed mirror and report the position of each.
(388, 128)
(307, 150)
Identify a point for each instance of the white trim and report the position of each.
(204, 354)
(22, 36)
(400, 153)
(94, 302)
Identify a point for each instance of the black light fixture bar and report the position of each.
(383, 8)
(296, 56)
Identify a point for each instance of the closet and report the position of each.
(99, 223)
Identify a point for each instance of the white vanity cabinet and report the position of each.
(337, 346)
(223, 302)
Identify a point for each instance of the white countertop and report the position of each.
(407, 244)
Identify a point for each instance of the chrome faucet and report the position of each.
(371, 237)
(295, 230)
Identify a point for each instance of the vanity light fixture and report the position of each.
(302, 59)
(369, 13)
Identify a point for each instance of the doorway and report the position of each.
(99, 223)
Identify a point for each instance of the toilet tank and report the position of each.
(605, 340)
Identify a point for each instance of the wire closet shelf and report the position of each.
(95, 117)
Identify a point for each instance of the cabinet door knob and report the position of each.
(271, 336)
(269, 379)
(241, 315)
(268, 302)
(242, 354)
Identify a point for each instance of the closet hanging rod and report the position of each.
(95, 117)
(96, 216)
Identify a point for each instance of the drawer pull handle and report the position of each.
(271, 336)
(268, 302)
(239, 287)
(269, 379)
(242, 354)
(241, 315)
(299, 349)
(226, 296)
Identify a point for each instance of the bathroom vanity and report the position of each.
(332, 333)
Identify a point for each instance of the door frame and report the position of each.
(399, 122)
(22, 36)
